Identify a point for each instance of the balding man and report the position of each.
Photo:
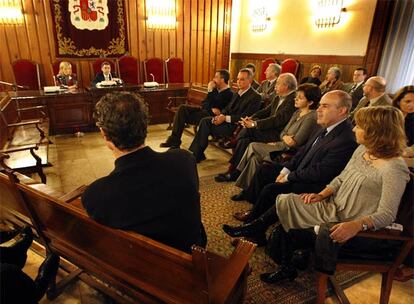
(374, 94)
(316, 163)
(267, 87)
(265, 125)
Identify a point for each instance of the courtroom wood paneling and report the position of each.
(346, 63)
(203, 27)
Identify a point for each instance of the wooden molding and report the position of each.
(329, 59)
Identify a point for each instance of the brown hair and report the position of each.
(400, 95)
(384, 130)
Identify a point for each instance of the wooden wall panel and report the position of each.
(199, 39)
(346, 63)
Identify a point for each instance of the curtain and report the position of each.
(397, 61)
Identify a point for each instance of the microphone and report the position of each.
(153, 78)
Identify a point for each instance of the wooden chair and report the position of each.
(154, 66)
(140, 269)
(265, 64)
(129, 69)
(175, 70)
(18, 137)
(387, 268)
(26, 73)
(194, 98)
(96, 65)
(290, 66)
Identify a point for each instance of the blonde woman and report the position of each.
(65, 77)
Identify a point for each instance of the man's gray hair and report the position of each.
(336, 70)
(276, 68)
(248, 71)
(289, 80)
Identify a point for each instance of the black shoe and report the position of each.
(239, 197)
(228, 177)
(283, 274)
(253, 229)
(48, 269)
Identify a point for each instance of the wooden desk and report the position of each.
(71, 111)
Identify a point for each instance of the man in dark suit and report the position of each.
(355, 89)
(217, 99)
(127, 198)
(244, 103)
(321, 159)
(374, 94)
(255, 85)
(267, 87)
(105, 74)
(266, 124)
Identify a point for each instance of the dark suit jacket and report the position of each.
(276, 118)
(255, 84)
(385, 100)
(216, 99)
(356, 95)
(246, 105)
(154, 194)
(326, 159)
(100, 77)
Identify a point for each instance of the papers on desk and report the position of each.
(109, 83)
(54, 89)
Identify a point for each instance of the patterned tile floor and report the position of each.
(77, 161)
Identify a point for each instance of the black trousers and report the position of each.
(263, 190)
(185, 115)
(205, 129)
(247, 136)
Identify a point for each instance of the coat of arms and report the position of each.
(89, 14)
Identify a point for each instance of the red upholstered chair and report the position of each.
(96, 65)
(129, 69)
(175, 70)
(154, 66)
(290, 66)
(265, 64)
(27, 73)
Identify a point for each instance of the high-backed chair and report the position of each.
(265, 64)
(96, 65)
(27, 73)
(129, 69)
(290, 66)
(154, 66)
(175, 70)
(386, 268)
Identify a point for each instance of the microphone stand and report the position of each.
(13, 85)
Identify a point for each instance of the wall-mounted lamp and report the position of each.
(11, 12)
(161, 14)
(260, 19)
(328, 13)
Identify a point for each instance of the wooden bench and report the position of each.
(140, 269)
(19, 138)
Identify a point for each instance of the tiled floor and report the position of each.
(78, 161)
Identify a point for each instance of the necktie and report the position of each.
(320, 137)
(353, 88)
